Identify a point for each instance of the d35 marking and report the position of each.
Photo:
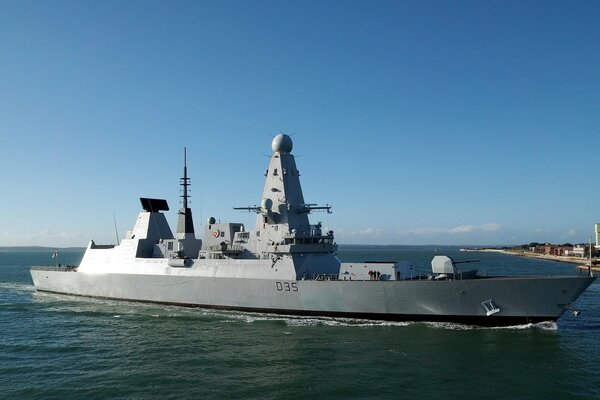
(286, 286)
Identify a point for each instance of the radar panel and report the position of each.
(154, 205)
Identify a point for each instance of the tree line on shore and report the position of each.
(557, 249)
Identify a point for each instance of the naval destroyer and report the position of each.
(287, 265)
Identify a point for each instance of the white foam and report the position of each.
(17, 287)
(298, 321)
(546, 326)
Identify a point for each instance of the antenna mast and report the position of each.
(590, 273)
(116, 230)
(185, 181)
(185, 224)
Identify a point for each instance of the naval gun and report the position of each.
(444, 267)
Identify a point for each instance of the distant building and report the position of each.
(542, 249)
(562, 250)
(579, 251)
(597, 235)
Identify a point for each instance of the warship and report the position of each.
(287, 265)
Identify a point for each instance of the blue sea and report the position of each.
(63, 347)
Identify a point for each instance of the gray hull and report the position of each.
(519, 300)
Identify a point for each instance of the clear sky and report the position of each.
(421, 122)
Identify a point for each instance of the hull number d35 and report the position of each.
(286, 286)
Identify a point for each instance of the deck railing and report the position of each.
(66, 268)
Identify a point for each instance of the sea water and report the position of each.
(64, 347)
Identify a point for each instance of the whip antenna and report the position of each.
(116, 230)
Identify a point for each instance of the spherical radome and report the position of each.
(211, 220)
(282, 143)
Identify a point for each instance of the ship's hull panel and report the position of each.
(518, 299)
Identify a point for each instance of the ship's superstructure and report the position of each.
(288, 265)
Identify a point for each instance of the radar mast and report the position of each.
(185, 223)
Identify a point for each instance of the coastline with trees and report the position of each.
(568, 253)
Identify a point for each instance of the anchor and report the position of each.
(575, 312)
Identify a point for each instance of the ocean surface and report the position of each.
(63, 347)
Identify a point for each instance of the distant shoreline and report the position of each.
(579, 261)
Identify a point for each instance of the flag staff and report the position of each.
(55, 256)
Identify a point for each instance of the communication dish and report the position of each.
(266, 204)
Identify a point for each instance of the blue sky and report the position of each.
(420, 122)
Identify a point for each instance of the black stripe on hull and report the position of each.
(478, 320)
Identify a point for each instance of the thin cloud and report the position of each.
(370, 231)
(493, 227)
(457, 230)
(462, 229)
